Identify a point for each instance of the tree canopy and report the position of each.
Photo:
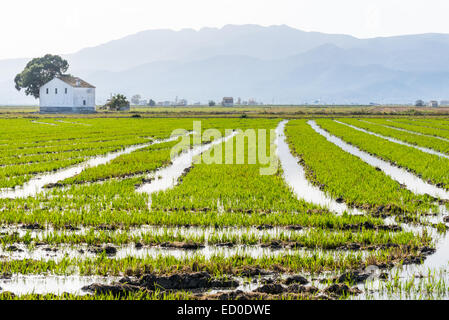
(135, 99)
(38, 72)
(116, 103)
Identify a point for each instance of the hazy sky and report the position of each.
(30, 27)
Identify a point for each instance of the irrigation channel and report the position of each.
(413, 276)
(37, 184)
(426, 150)
(168, 176)
(55, 284)
(412, 182)
(295, 177)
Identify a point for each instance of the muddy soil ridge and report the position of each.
(152, 282)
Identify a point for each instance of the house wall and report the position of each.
(84, 94)
(228, 103)
(61, 99)
(70, 102)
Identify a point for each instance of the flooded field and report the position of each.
(328, 209)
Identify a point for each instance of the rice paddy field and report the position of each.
(164, 208)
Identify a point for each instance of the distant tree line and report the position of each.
(137, 100)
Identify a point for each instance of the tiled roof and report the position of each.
(75, 82)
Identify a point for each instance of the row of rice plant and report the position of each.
(428, 166)
(347, 177)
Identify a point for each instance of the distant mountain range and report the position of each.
(276, 64)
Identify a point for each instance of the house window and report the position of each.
(84, 102)
(56, 90)
(65, 90)
(47, 90)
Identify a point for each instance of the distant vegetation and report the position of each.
(135, 99)
(116, 103)
(275, 111)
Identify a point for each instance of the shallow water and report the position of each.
(42, 284)
(166, 178)
(207, 232)
(424, 282)
(295, 177)
(426, 150)
(39, 122)
(45, 252)
(412, 182)
(208, 252)
(36, 184)
(433, 272)
(252, 251)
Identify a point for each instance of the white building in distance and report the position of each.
(228, 102)
(433, 103)
(67, 94)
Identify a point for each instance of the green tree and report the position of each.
(152, 103)
(135, 99)
(419, 103)
(211, 103)
(38, 72)
(116, 103)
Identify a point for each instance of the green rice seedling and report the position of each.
(428, 166)
(345, 176)
(398, 131)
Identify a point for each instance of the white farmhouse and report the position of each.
(433, 103)
(67, 94)
(228, 102)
